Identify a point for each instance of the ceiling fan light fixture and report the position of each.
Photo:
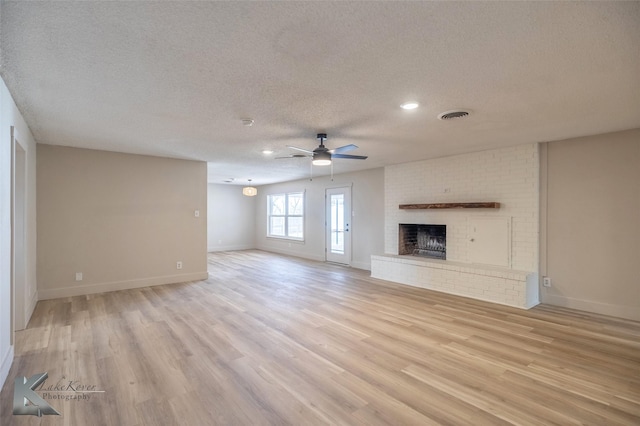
(321, 159)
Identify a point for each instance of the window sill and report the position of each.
(290, 239)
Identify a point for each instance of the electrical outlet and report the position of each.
(546, 281)
(178, 265)
(78, 276)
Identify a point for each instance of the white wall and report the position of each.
(592, 223)
(367, 225)
(10, 116)
(509, 176)
(231, 220)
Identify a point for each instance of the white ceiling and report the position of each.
(175, 79)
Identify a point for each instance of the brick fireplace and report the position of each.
(508, 176)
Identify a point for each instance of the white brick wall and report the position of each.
(498, 285)
(509, 176)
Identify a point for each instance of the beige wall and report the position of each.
(122, 220)
(367, 196)
(231, 218)
(591, 232)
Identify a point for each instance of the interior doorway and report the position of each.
(338, 225)
(19, 295)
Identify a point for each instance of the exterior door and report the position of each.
(338, 225)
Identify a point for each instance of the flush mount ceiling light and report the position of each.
(410, 105)
(450, 115)
(267, 152)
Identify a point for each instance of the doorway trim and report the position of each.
(20, 299)
(343, 229)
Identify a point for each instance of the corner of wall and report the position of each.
(362, 265)
(542, 220)
(32, 305)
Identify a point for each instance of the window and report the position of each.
(286, 215)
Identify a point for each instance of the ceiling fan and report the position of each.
(322, 155)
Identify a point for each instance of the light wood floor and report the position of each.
(277, 340)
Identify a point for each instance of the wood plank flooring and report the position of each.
(275, 340)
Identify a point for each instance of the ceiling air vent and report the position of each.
(450, 115)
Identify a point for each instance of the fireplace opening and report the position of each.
(423, 240)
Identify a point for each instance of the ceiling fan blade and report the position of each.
(352, 157)
(300, 149)
(342, 149)
(293, 156)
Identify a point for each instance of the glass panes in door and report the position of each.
(337, 224)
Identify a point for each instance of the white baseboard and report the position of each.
(620, 311)
(293, 253)
(56, 293)
(354, 264)
(230, 248)
(5, 366)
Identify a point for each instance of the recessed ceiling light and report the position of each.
(267, 152)
(247, 122)
(410, 105)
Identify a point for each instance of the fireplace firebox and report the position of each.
(423, 240)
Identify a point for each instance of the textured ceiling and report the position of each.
(176, 78)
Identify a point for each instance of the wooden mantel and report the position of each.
(483, 205)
